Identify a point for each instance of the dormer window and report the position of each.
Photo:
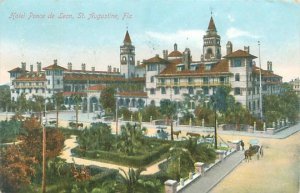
(237, 63)
(207, 67)
(180, 67)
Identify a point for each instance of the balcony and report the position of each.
(29, 86)
(197, 84)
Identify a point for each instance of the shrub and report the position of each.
(132, 161)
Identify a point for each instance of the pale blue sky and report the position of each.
(153, 26)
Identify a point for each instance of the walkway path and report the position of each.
(67, 155)
(212, 177)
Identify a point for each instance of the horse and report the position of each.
(176, 133)
(255, 149)
(197, 135)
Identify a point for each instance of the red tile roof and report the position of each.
(175, 53)
(264, 73)
(239, 54)
(18, 69)
(132, 94)
(97, 87)
(127, 38)
(155, 59)
(137, 79)
(35, 76)
(54, 67)
(218, 69)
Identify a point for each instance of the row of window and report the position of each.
(240, 62)
(176, 90)
(205, 80)
(56, 72)
(29, 83)
(57, 82)
(42, 90)
(253, 105)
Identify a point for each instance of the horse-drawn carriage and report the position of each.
(255, 149)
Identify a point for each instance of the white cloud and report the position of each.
(157, 41)
(235, 33)
(178, 36)
(230, 18)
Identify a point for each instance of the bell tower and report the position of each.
(127, 57)
(211, 43)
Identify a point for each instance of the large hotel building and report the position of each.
(166, 77)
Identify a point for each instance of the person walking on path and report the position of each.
(242, 144)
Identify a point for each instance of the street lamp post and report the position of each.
(216, 143)
(44, 121)
(215, 112)
(117, 106)
(260, 89)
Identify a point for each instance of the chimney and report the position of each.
(31, 68)
(186, 59)
(269, 66)
(118, 70)
(23, 66)
(165, 54)
(156, 55)
(55, 62)
(83, 66)
(138, 63)
(93, 68)
(70, 66)
(109, 68)
(228, 47)
(247, 49)
(115, 70)
(39, 66)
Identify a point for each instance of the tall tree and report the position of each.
(168, 109)
(5, 97)
(32, 140)
(16, 169)
(22, 103)
(38, 105)
(58, 99)
(107, 99)
(77, 100)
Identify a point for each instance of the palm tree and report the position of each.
(180, 162)
(39, 103)
(131, 179)
(168, 108)
(58, 100)
(77, 100)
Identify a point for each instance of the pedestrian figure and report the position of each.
(242, 144)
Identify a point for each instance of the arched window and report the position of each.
(123, 58)
(209, 51)
(152, 102)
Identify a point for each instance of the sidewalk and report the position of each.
(212, 177)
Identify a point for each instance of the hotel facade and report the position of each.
(154, 79)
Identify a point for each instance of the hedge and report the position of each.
(132, 161)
